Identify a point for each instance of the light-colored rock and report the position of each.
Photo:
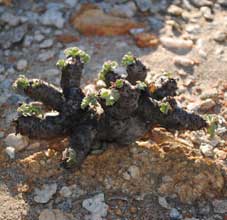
(207, 14)
(22, 64)
(10, 151)
(176, 43)
(96, 205)
(93, 21)
(127, 10)
(45, 194)
(175, 215)
(53, 17)
(10, 19)
(71, 3)
(206, 149)
(175, 10)
(65, 191)
(210, 93)
(45, 56)
(220, 206)
(46, 43)
(183, 61)
(18, 141)
(38, 37)
(162, 202)
(53, 214)
(220, 36)
(28, 41)
(134, 171)
(146, 40)
(206, 104)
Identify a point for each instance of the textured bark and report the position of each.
(124, 121)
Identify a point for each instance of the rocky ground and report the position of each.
(166, 175)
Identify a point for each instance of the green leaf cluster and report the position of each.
(212, 121)
(128, 59)
(75, 52)
(61, 64)
(119, 83)
(110, 96)
(107, 67)
(141, 85)
(29, 110)
(21, 83)
(90, 100)
(165, 107)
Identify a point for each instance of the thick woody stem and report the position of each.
(136, 72)
(163, 87)
(38, 128)
(47, 93)
(71, 74)
(175, 118)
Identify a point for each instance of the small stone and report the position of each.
(206, 105)
(22, 64)
(15, 35)
(2, 134)
(207, 14)
(38, 37)
(175, 215)
(155, 23)
(65, 191)
(2, 69)
(134, 171)
(144, 5)
(127, 10)
(96, 205)
(223, 3)
(193, 28)
(162, 202)
(176, 43)
(210, 93)
(220, 206)
(53, 214)
(71, 3)
(206, 150)
(10, 152)
(46, 44)
(45, 194)
(183, 61)
(136, 31)
(10, 19)
(45, 56)
(28, 41)
(175, 10)
(220, 36)
(146, 40)
(18, 141)
(52, 18)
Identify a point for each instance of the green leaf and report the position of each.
(119, 83)
(165, 107)
(141, 85)
(107, 67)
(128, 59)
(29, 110)
(21, 83)
(61, 64)
(76, 52)
(212, 121)
(110, 96)
(89, 100)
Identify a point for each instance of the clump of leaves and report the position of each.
(119, 83)
(90, 100)
(107, 67)
(21, 83)
(76, 52)
(29, 110)
(165, 107)
(128, 59)
(141, 85)
(212, 121)
(61, 64)
(110, 96)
